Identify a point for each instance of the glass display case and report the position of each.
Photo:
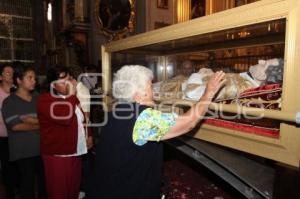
(260, 119)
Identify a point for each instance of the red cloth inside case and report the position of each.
(267, 96)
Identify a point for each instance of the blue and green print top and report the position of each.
(152, 125)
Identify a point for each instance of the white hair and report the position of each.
(131, 80)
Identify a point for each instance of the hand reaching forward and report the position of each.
(213, 85)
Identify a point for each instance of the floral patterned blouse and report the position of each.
(152, 125)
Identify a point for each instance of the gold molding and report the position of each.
(235, 17)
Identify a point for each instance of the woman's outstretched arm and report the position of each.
(187, 121)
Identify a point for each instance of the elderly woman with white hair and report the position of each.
(129, 153)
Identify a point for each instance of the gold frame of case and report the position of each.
(286, 148)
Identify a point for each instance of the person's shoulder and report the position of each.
(9, 100)
(81, 87)
(3, 94)
(82, 92)
(1, 90)
(11, 96)
(44, 97)
(148, 112)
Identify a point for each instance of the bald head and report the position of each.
(187, 68)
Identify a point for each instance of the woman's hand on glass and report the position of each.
(213, 85)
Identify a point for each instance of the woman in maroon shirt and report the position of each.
(63, 138)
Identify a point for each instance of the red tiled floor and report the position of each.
(187, 183)
(187, 179)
